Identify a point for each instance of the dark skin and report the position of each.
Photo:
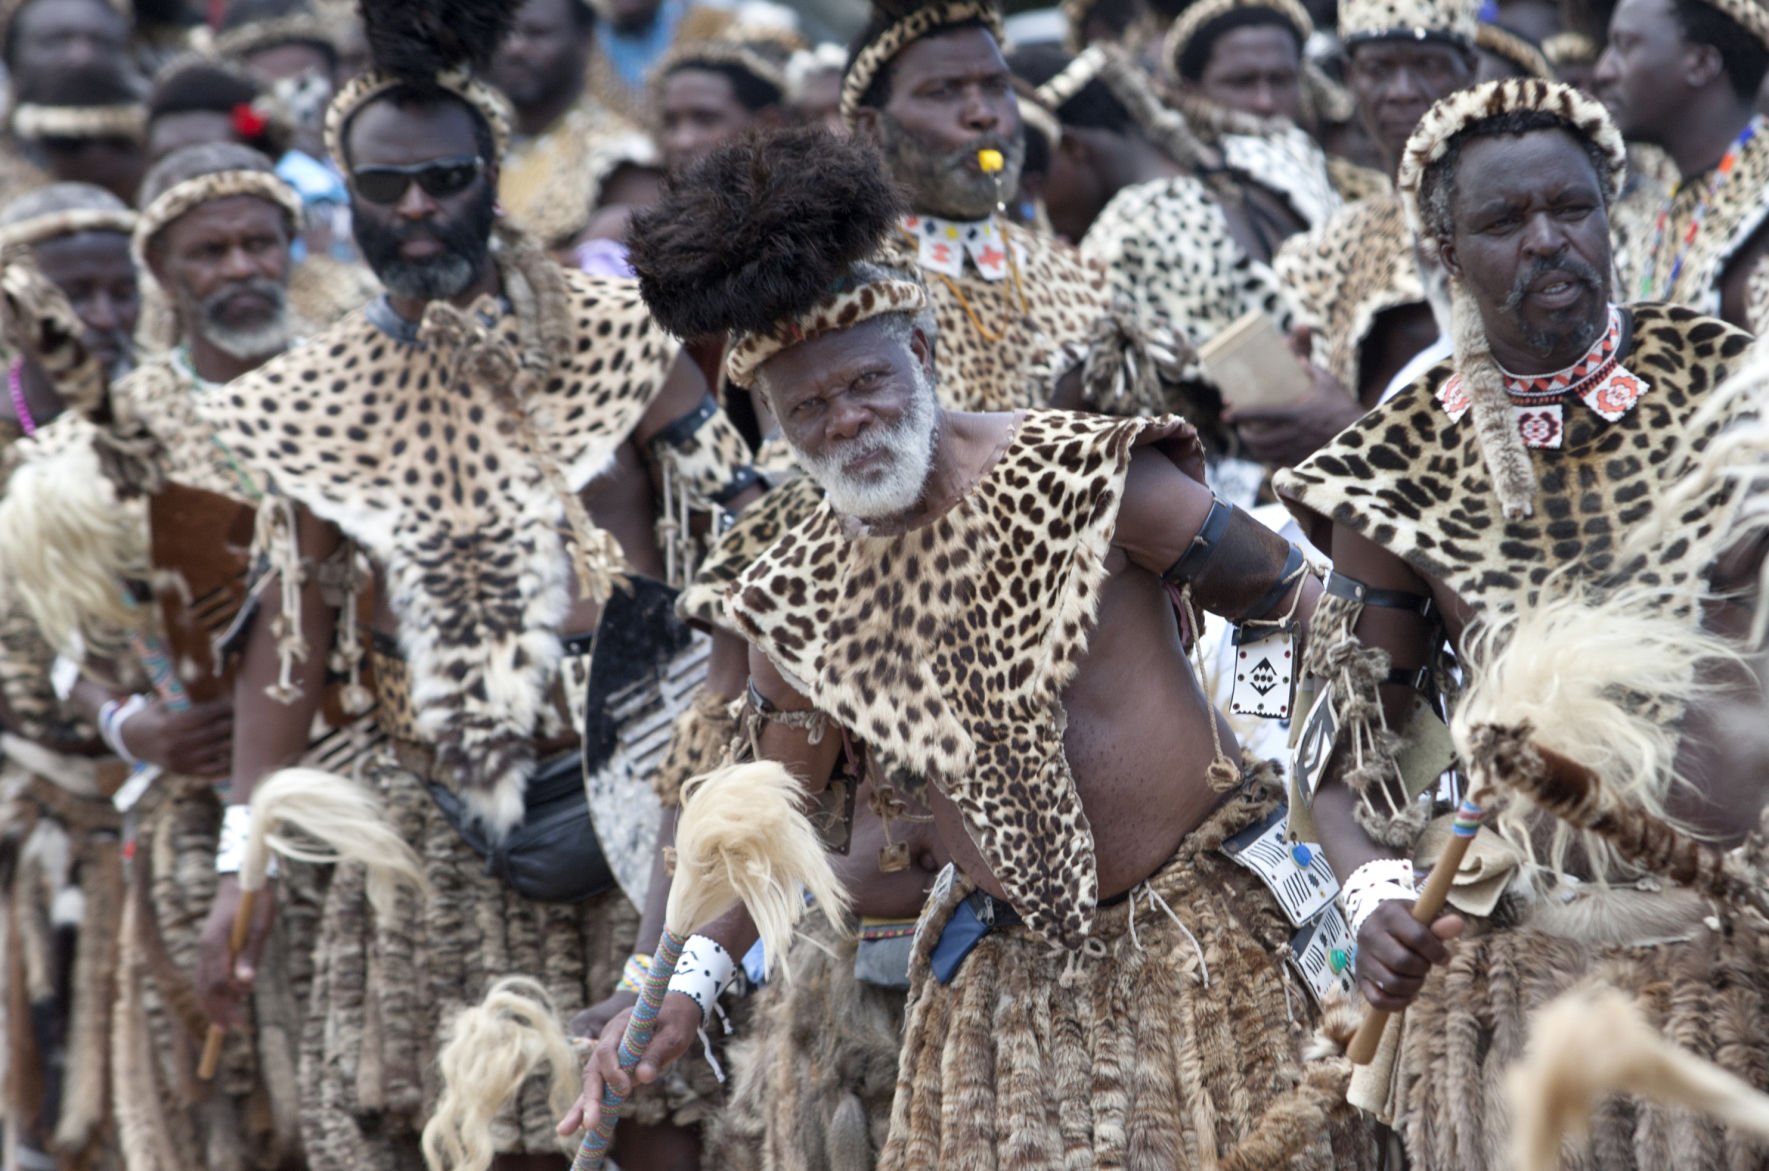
(1395, 82)
(1525, 209)
(1138, 755)
(949, 92)
(115, 164)
(49, 37)
(1256, 69)
(819, 103)
(1665, 89)
(621, 500)
(540, 66)
(224, 243)
(698, 111)
(631, 16)
(95, 272)
(170, 132)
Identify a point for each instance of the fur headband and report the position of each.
(840, 310)
(366, 87)
(1570, 49)
(1517, 50)
(1421, 20)
(1191, 22)
(1750, 15)
(127, 121)
(297, 28)
(719, 53)
(1114, 68)
(922, 20)
(68, 222)
(1583, 116)
(181, 198)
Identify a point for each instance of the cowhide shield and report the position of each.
(200, 543)
(640, 676)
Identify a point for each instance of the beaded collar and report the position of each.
(942, 245)
(1538, 401)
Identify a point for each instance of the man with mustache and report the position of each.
(959, 619)
(512, 447)
(1557, 430)
(1683, 75)
(1356, 280)
(928, 84)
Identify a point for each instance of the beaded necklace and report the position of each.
(1715, 181)
(1013, 269)
(16, 384)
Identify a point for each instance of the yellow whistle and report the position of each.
(991, 161)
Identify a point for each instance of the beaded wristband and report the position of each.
(111, 718)
(705, 970)
(632, 976)
(1376, 882)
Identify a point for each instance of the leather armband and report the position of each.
(708, 454)
(1235, 566)
(1353, 590)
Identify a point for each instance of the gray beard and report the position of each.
(440, 279)
(898, 487)
(944, 185)
(258, 341)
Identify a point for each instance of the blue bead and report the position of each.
(1302, 854)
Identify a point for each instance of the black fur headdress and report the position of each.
(762, 237)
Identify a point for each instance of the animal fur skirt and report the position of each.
(248, 1117)
(383, 991)
(1699, 979)
(813, 1074)
(1156, 1047)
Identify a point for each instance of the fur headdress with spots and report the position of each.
(897, 24)
(1420, 20)
(428, 44)
(1421, 169)
(1517, 50)
(769, 240)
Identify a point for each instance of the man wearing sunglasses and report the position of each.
(497, 438)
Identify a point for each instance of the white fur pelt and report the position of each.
(67, 544)
(1576, 668)
(1495, 427)
(338, 820)
(1593, 1043)
(491, 1050)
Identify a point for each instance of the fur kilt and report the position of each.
(813, 1075)
(1701, 981)
(248, 1118)
(1151, 1049)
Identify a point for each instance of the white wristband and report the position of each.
(1376, 882)
(230, 847)
(111, 718)
(705, 970)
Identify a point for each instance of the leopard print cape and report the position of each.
(377, 430)
(1346, 273)
(1728, 220)
(1413, 481)
(946, 649)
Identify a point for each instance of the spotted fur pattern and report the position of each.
(1415, 483)
(552, 181)
(947, 648)
(429, 476)
(1347, 272)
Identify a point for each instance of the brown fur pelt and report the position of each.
(813, 1076)
(1705, 993)
(247, 1118)
(1125, 1054)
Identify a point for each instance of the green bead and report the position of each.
(1338, 960)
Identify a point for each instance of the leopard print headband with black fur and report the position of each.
(840, 310)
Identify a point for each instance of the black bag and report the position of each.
(553, 855)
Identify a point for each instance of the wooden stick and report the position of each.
(236, 943)
(1425, 908)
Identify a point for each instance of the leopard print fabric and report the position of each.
(159, 400)
(376, 431)
(1168, 253)
(915, 644)
(550, 183)
(1730, 218)
(1359, 265)
(1414, 482)
(762, 523)
(1353, 181)
(991, 348)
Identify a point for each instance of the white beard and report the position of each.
(897, 485)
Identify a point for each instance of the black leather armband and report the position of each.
(1235, 566)
(709, 453)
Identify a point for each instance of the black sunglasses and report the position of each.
(439, 179)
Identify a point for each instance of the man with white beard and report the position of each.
(963, 612)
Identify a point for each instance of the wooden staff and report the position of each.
(1425, 909)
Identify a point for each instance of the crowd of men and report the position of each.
(1158, 490)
